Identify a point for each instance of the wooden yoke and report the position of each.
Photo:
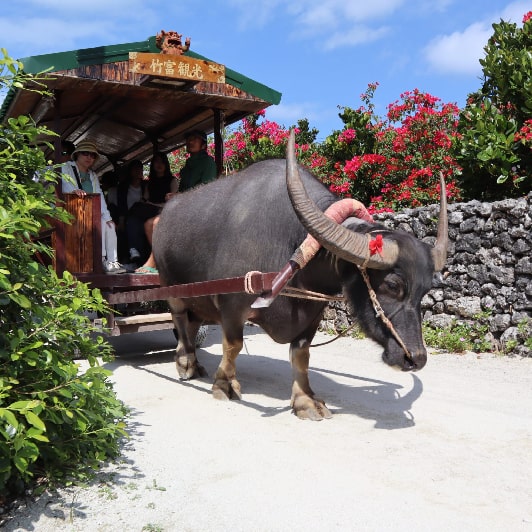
(78, 246)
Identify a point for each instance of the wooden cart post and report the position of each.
(79, 245)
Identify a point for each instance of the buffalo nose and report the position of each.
(415, 362)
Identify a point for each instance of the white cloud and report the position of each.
(56, 25)
(318, 14)
(316, 18)
(54, 35)
(514, 12)
(255, 14)
(340, 22)
(289, 114)
(355, 35)
(459, 52)
(363, 11)
(92, 9)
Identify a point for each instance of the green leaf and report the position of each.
(35, 420)
(20, 299)
(20, 405)
(36, 434)
(21, 463)
(9, 417)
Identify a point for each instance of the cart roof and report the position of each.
(96, 97)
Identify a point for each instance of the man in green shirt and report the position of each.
(200, 167)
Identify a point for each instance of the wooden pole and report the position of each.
(218, 140)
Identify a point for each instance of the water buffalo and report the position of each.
(255, 220)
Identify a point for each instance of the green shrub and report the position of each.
(495, 147)
(56, 423)
(460, 336)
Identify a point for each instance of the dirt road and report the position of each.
(448, 448)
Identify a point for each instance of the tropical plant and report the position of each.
(56, 422)
(495, 151)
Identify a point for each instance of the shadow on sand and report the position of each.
(384, 402)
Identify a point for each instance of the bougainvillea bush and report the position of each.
(396, 160)
(386, 163)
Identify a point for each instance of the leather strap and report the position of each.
(77, 176)
(257, 283)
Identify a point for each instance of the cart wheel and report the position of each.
(200, 337)
(202, 334)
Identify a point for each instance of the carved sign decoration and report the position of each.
(176, 67)
(169, 42)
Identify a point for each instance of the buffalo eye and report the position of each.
(393, 285)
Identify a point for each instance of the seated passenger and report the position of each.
(82, 181)
(160, 182)
(67, 148)
(109, 186)
(130, 192)
(199, 168)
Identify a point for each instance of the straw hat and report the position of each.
(85, 145)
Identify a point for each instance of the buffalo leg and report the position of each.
(304, 404)
(225, 384)
(187, 364)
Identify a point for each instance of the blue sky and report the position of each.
(320, 54)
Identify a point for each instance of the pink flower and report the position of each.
(347, 136)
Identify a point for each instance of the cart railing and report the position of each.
(78, 250)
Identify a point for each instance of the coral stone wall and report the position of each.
(488, 269)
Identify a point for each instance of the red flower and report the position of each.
(375, 245)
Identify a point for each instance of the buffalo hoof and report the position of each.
(305, 407)
(223, 389)
(187, 369)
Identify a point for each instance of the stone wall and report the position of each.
(489, 267)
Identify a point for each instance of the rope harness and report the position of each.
(379, 313)
(301, 293)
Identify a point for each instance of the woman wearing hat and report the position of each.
(82, 180)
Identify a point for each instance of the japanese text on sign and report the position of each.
(173, 67)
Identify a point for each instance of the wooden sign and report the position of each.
(176, 67)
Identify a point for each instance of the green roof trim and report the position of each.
(83, 57)
(120, 52)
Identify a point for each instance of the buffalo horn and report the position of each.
(439, 252)
(343, 242)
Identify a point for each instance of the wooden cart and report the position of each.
(121, 98)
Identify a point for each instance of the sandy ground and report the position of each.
(448, 448)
